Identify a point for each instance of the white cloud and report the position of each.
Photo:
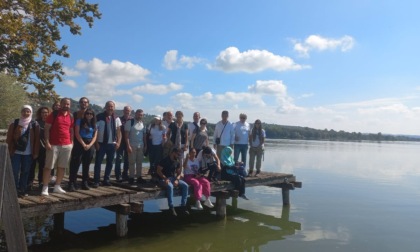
(70, 83)
(105, 78)
(70, 72)
(137, 98)
(252, 61)
(171, 62)
(157, 89)
(269, 87)
(318, 43)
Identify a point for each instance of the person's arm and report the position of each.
(118, 142)
(47, 136)
(94, 137)
(145, 140)
(215, 135)
(219, 168)
(161, 175)
(232, 135)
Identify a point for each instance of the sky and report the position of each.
(341, 65)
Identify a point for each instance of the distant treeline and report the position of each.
(275, 131)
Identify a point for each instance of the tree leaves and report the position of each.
(29, 33)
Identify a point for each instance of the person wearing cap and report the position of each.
(157, 137)
(23, 152)
(169, 171)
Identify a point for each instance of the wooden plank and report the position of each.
(10, 211)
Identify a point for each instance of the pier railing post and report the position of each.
(221, 203)
(9, 205)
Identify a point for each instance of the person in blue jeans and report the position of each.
(108, 141)
(21, 155)
(170, 173)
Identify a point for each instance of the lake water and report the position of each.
(361, 196)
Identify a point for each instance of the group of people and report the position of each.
(180, 153)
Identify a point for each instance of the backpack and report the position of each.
(22, 141)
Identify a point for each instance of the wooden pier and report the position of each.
(124, 199)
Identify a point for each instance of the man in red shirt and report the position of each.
(58, 143)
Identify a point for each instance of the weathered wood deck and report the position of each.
(125, 194)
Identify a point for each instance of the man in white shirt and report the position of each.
(224, 134)
(242, 129)
(107, 142)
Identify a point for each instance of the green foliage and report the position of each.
(12, 97)
(29, 36)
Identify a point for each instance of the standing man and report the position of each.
(166, 121)
(169, 171)
(59, 131)
(193, 126)
(224, 134)
(107, 142)
(83, 106)
(135, 137)
(241, 138)
(122, 151)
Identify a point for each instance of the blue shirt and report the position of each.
(85, 132)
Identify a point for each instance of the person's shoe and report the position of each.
(40, 186)
(131, 181)
(198, 205)
(185, 211)
(71, 187)
(172, 211)
(140, 180)
(124, 177)
(85, 186)
(44, 191)
(53, 179)
(58, 189)
(257, 173)
(249, 173)
(118, 180)
(208, 203)
(243, 196)
(95, 185)
(106, 183)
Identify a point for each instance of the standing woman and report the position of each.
(256, 150)
(177, 132)
(230, 172)
(23, 142)
(157, 135)
(200, 138)
(83, 149)
(41, 115)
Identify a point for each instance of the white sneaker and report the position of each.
(198, 205)
(44, 191)
(53, 179)
(208, 203)
(58, 189)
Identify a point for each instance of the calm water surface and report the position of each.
(355, 197)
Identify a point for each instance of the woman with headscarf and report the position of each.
(230, 172)
(23, 142)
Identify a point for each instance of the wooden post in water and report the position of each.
(58, 224)
(9, 205)
(221, 203)
(121, 218)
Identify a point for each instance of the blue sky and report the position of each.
(342, 65)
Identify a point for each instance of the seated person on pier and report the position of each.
(170, 172)
(209, 161)
(230, 172)
(200, 184)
